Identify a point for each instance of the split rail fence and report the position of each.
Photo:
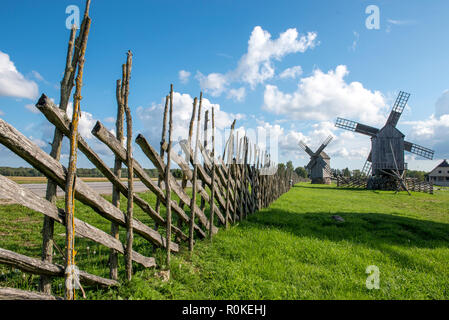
(362, 183)
(234, 185)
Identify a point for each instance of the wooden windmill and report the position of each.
(319, 164)
(386, 158)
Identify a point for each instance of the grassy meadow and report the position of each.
(291, 250)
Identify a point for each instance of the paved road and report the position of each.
(100, 187)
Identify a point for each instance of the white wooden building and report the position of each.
(440, 175)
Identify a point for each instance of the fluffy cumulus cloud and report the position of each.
(151, 119)
(291, 73)
(257, 65)
(184, 76)
(214, 83)
(13, 83)
(237, 94)
(433, 132)
(324, 96)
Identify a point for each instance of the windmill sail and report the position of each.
(367, 167)
(419, 150)
(306, 148)
(356, 127)
(398, 108)
(324, 145)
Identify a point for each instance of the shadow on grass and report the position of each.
(371, 229)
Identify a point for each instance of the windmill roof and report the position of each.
(388, 128)
(324, 155)
(443, 164)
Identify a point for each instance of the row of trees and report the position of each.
(177, 173)
(420, 175)
(80, 172)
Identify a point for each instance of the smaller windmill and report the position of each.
(319, 165)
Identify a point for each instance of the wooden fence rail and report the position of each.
(236, 185)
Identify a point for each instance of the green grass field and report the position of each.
(291, 250)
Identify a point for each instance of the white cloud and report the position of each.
(38, 76)
(184, 76)
(151, 118)
(13, 83)
(1, 113)
(213, 83)
(442, 104)
(325, 96)
(86, 122)
(109, 120)
(32, 108)
(292, 72)
(256, 65)
(237, 94)
(401, 22)
(433, 132)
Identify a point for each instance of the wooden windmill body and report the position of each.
(319, 165)
(386, 161)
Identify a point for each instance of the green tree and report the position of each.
(301, 171)
(290, 166)
(356, 173)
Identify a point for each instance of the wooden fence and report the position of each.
(234, 185)
(362, 183)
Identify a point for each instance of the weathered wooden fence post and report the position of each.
(129, 160)
(212, 191)
(206, 120)
(195, 176)
(120, 92)
(230, 146)
(167, 179)
(162, 150)
(189, 143)
(67, 83)
(48, 226)
(70, 274)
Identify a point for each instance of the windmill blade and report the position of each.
(356, 127)
(312, 162)
(306, 148)
(419, 150)
(398, 108)
(368, 165)
(324, 145)
(367, 168)
(320, 161)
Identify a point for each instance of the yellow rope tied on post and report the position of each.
(72, 279)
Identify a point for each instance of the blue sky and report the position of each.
(288, 66)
